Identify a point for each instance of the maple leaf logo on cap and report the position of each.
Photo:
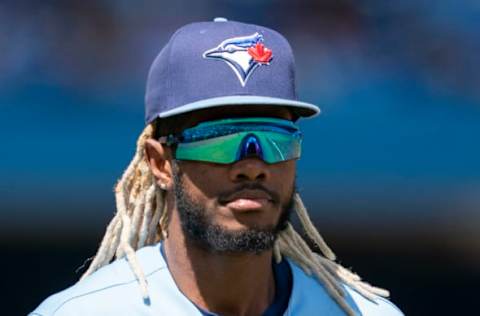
(260, 53)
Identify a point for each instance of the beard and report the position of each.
(200, 229)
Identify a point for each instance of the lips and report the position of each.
(248, 200)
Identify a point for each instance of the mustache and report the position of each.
(249, 186)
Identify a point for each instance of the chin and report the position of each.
(241, 225)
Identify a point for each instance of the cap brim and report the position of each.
(301, 108)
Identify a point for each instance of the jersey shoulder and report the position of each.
(107, 291)
(309, 297)
(379, 306)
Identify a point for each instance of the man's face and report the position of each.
(238, 207)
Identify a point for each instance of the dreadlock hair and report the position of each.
(141, 220)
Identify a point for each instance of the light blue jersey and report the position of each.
(114, 290)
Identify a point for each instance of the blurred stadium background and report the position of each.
(390, 172)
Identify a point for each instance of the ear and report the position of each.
(159, 159)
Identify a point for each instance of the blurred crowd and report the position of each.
(87, 44)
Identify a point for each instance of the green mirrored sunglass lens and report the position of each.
(276, 147)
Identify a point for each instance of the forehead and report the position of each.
(180, 122)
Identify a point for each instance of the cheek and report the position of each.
(284, 176)
(202, 181)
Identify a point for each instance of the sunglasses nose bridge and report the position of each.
(250, 148)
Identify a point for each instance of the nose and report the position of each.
(249, 169)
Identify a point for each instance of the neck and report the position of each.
(227, 284)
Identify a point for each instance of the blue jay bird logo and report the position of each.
(243, 54)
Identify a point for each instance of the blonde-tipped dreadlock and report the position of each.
(141, 220)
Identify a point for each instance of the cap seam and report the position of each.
(169, 64)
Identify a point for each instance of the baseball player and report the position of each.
(203, 210)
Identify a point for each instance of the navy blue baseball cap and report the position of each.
(222, 63)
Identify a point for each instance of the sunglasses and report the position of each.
(229, 140)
